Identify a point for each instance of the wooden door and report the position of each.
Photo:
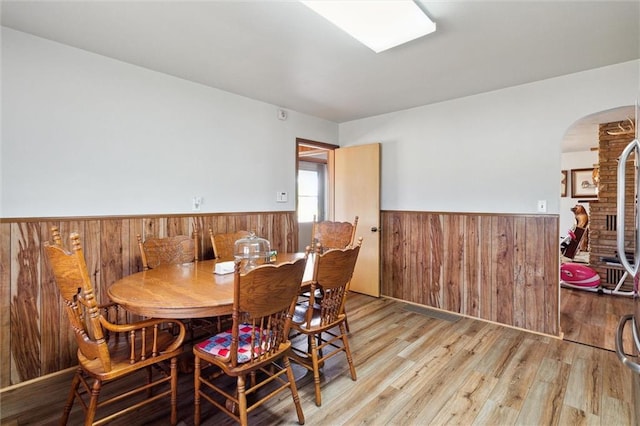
(357, 193)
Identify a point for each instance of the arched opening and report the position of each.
(585, 315)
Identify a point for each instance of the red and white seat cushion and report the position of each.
(220, 344)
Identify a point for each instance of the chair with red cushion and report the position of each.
(263, 303)
(323, 313)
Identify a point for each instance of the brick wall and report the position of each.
(602, 215)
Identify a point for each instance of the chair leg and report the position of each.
(93, 403)
(344, 311)
(196, 395)
(316, 371)
(319, 349)
(149, 380)
(174, 390)
(71, 398)
(242, 401)
(294, 390)
(309, 345)
(253, 378)
(347, 350)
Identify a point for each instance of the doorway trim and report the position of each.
(314, 147)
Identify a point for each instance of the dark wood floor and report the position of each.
(592, 318)
(416, 368)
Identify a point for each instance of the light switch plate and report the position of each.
(282, 197)
(197, 202)
(542, 206)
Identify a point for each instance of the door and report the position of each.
(356, 192)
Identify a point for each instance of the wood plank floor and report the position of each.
(414, 369)
(592, 318)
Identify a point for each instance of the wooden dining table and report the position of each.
(190, 290)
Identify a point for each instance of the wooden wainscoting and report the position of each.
(501, 268)
(497, 267)
(34, 336)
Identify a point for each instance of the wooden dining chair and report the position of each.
(320, 316)
(224, 244)
(331, 234)
(168, 250)
(223, 251)
(263, 301)
(176, 250)
(108, 351)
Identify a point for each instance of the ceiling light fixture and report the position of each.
(378, 24)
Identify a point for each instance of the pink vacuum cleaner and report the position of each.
(576, 275)
(581, 277)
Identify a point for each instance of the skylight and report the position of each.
(378, 24)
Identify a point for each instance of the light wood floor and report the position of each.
(414, 369)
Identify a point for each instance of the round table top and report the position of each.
(190, 290)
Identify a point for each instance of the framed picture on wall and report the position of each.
(563, 183)
(582, 185)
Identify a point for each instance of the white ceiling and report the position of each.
(282, 53)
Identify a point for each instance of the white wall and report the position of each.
(495, 152)
(569, 161)
(86, 135)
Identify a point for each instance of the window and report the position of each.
(307, 195)
(311, 184)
